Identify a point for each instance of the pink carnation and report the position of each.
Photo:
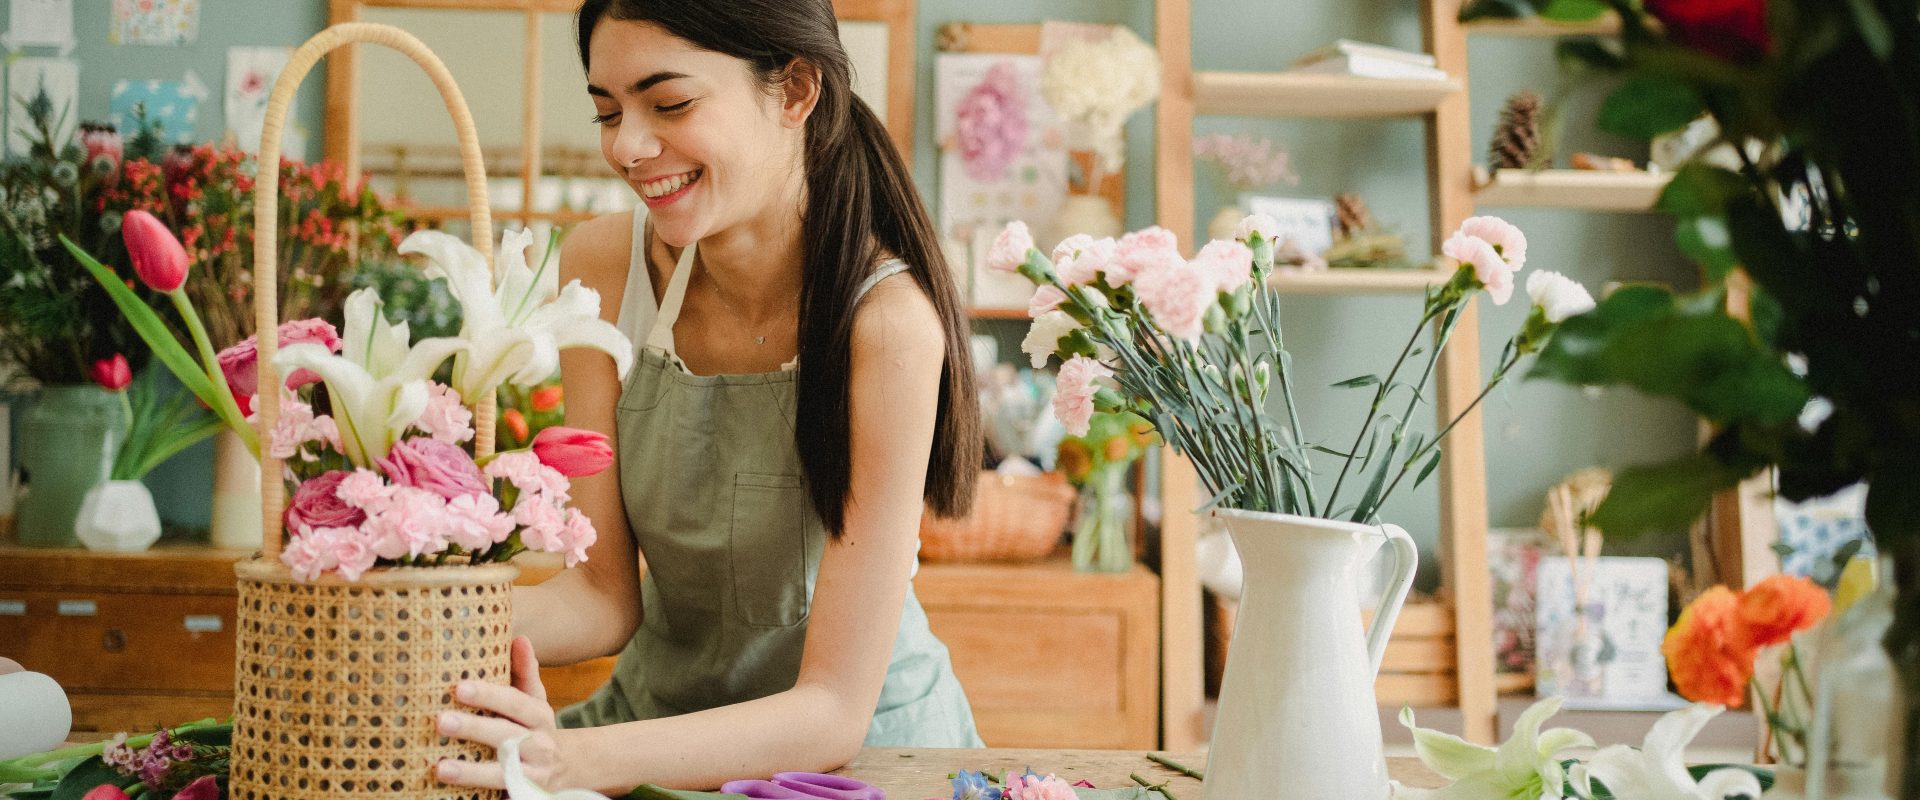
(1045, 299)
(1010, 248)
(1493, 271)
(1262, 224)
(436, 466)
(1178, 297)
(414, 523)
(297, 427)
(1141, 252)
(342, 549)
(580, 536)
(445, 418)
(474, 522)
(1073, 392)
(1501, 234)
(1229, 263)
(1034, 787)
(316, 504)
(1070, 246)
(240, 363)
(365, 490)
(1085, 264)
(990, 124)
(523, 469)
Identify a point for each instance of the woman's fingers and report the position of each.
(490, 731)
(526, 669)
(506, 701)
(479, 775)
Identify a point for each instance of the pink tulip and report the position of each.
(157, 256)
(105, 791)
(573, 452)
(112, 373)
(205, 787)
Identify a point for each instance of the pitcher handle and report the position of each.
(1405, 558)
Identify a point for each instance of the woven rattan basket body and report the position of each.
(1014, 518)
(337, 683)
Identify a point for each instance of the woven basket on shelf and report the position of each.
(337, 683)
(1014, 518)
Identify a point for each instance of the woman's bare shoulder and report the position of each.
(597, 252)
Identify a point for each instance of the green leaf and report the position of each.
(1647, 106)
(1663, 497)
(1587, 54)
(1699, 189)
(1496, 9)
(1705, 240)
(1574, 10)
(1893, 499)
(1873, 28)
(1426, 470)
(652, 792)
(1330, 451)
(150, 327)
(1355, 383)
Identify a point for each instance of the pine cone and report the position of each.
(1516, 142)
(1352, 214)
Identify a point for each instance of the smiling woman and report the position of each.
(803, 394)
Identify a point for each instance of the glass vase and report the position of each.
(1100, 542)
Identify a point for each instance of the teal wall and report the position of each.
(1535, 432)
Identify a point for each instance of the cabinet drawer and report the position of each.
(121, 640)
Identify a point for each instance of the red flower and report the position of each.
(573, 452)
(516, 423)
(105, 791)
(112, 373)
(205, 787)
(1735, 30)
(546, 398)
(1780, 606)
(158, 257)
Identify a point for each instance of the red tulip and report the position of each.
(205, 787)
(105, 791)
(546, 398)
(573, 452)
(516, 424)
(158, 258)
(112, 373)
(1735, 30)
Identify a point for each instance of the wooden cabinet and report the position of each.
(1050, 657)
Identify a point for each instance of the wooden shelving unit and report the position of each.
(1569, 188)
(1540, 27)
(1292, 94)
(1357, 281)
(979, 312)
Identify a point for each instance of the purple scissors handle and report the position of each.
(764, 790)
(830, 787)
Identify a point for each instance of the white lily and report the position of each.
(519, 787)
(516, 322)
(377, 384)
(1658, 770)
(1526, 766)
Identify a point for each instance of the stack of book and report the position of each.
(1359, 59)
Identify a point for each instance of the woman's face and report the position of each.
(691, 130)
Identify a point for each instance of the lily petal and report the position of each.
(1553, 741)
(465, 270)
(354, 393)
(1520, 755)
(1452, 757)
(1723, 783)
(1666, 743)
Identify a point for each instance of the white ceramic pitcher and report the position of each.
(1298, 717)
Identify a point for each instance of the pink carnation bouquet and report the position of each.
(1194, 345)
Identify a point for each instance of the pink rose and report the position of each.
(990, 124)
(1229, 263)
(1073, 392)
(573, 452)
(1045, 299)
(1010, 248)
(1141, 252)
(240, 363)
(436, 466)
(1178, 297)
(316, 503)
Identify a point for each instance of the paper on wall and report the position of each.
(251, 72)
(160, 22)
(25, 79)
(40, 23)
(1615, 657)
(171, 106)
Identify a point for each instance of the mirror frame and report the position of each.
(342, 141)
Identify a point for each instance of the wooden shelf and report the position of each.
(997, 313)
(1608, 25)
(567, 217)
(1342, 281)
(1569, 188)
(1291, 94)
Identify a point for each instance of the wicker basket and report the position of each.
(337, 684)
(1014, 518)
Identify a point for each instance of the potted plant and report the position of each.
(1195, 346)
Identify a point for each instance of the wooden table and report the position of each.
(918, 774)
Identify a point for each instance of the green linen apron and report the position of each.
(715, 498)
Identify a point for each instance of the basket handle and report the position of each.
(266, 218)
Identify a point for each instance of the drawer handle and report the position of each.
(78, 608)
(114, 641)
(204, 623)
(13, 608)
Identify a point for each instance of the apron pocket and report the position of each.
(769, 549)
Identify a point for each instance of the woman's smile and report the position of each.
(662, 191)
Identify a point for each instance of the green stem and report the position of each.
(1176, 766)
(1406, 466)
(224, 404)
(1379, 395)
(1160, 787)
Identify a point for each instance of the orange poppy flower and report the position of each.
(1708, 651)
(1777, 607)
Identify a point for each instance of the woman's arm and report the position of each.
(820, 723)
(591, 610)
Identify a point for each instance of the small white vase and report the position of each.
(1225, 223)
(1090, 214)
(1297, 705)
(236, 494)
(117, 516)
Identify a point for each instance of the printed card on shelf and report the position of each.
(1605, 651)
(40, 23)
(1309, 222)
(159, 22)
(59, 78)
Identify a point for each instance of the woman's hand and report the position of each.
(522, 710)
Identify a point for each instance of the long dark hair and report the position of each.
(860, 202)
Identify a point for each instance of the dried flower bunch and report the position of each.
(1246, 162)
(1096, 85)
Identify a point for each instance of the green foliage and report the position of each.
(1646, 107)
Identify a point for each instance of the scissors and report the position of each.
(804, 786)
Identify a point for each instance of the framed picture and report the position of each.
(1598, 636)
(1307, 221)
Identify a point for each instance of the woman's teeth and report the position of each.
(668, 185)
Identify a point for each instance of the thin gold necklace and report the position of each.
(758, 339)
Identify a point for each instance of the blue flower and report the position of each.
(970, 785)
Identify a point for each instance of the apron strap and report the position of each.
(661, 336)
